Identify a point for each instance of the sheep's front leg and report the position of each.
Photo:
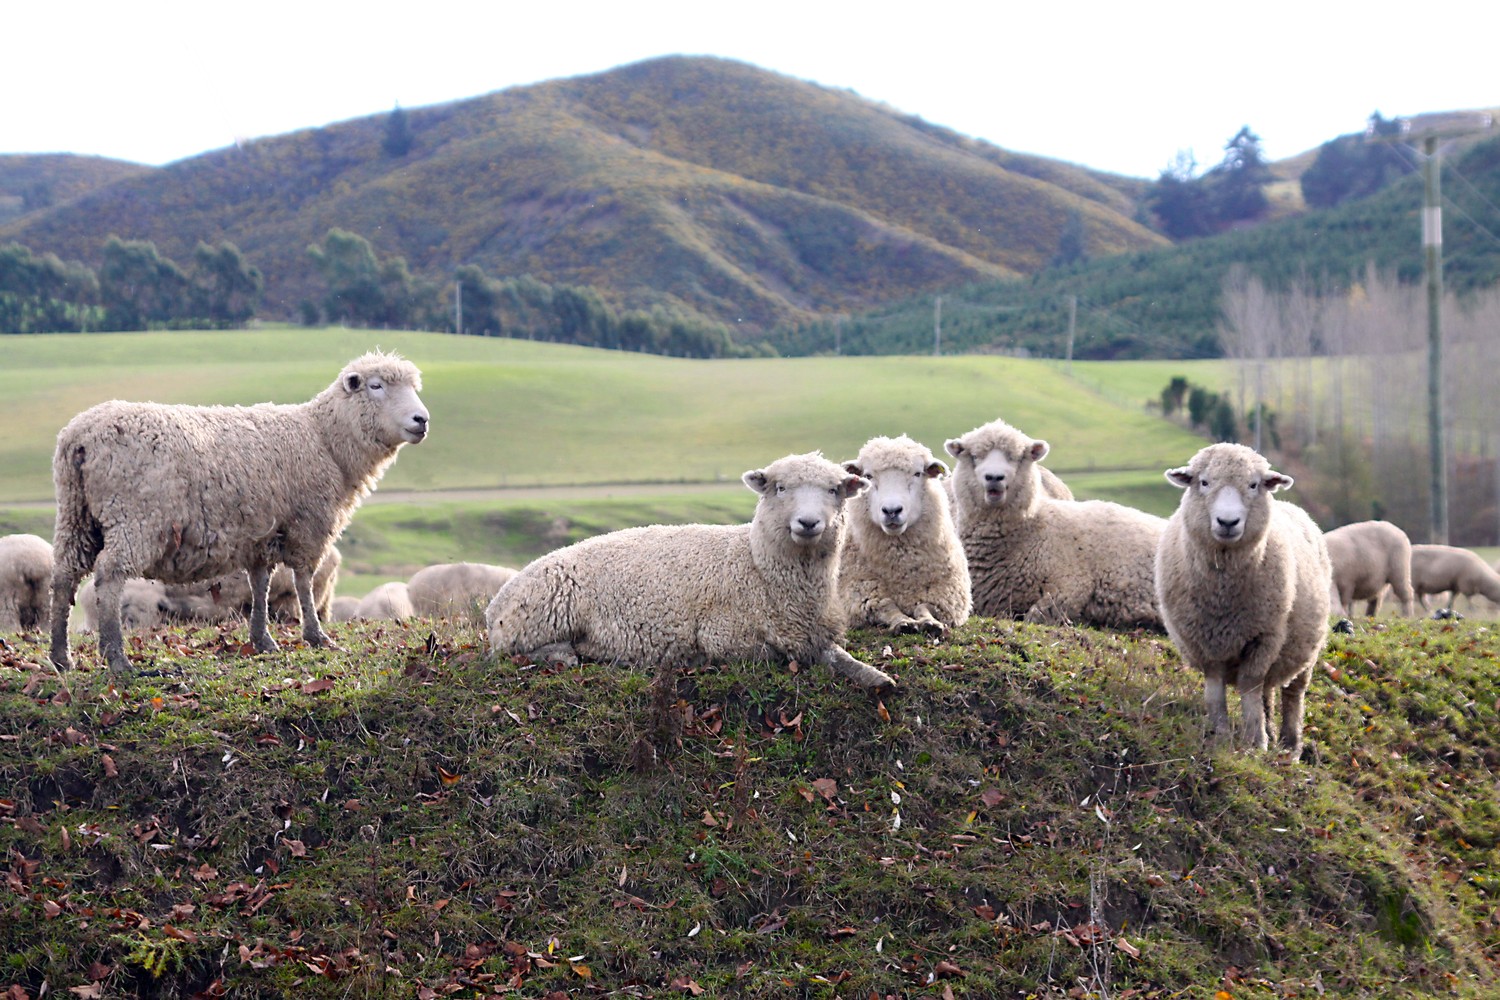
(64, 588)
(1292, 699)
(107, 588)
(260, 587)
(890, 617)
(1216, 702)
(928, 622)
(842, 663)
(312, 629)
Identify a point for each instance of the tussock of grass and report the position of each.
(1034, 813)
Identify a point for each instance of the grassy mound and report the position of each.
(1033, 813)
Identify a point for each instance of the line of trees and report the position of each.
(361, 289)
(135, 288)
(1346, 371)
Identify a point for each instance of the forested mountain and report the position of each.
(703, 186)
(1167, 302)
(35, 182)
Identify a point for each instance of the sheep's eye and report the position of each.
(1253, 487)
(375, 384)
(1203, 483)
(780, 489)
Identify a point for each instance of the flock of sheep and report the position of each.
(198, 513)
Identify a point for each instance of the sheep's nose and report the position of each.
(892, 510)
(1227, 523)
(994, 477)
(420, 419)
(809, 523)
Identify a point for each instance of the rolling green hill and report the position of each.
(535, 445)
(704, 184)
(510, 413)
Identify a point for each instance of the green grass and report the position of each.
(518, 413)
(511, 414)
(409, 813)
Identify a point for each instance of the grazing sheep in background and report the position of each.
(767, 590)
(1044, 559)
(1445, 569)
(1243, 581)
(344, 609)
(25, 582)
(903, 567)
(387, 602)
(454, 588)
(185, 493)
(1367, 556)
(228, 596)
(143, 605)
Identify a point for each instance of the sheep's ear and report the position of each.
(954, 447)
(853, 485)
(853, 469)
(353, 382)
(1277, 481)
(756, 480)
(1181, 478)
(1038, 450)
(935, 469)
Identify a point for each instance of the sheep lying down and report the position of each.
(763, 591)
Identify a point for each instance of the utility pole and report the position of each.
(937, 326)
(1072, 325)
(1429, 129)
(458, 307)
(1432, 249)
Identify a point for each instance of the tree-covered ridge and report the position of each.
(1168, 303)
(32, 182)
(700, 186)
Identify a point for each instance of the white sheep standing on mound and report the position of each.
(1044, 559)
(25, 582)
(1243, 580)
(903, 567)
(1367, 556)
(181, 493)
(767, 590)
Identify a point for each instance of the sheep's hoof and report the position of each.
(265, 645)
(558, 654)
(876, 680)
(1344, 627)
(932, 627)
(322, 640)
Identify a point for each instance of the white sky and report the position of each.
(1108, 84)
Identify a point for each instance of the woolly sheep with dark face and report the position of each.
(1043, 559)
(184, 493)
(1243, 581)
(903, 567)
(762, 591)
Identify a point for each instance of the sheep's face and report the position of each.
(995, 465)
(398, 411)
(803, 495)
(897, 493)
(1228, 487)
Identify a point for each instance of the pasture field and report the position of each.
(538, 444)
